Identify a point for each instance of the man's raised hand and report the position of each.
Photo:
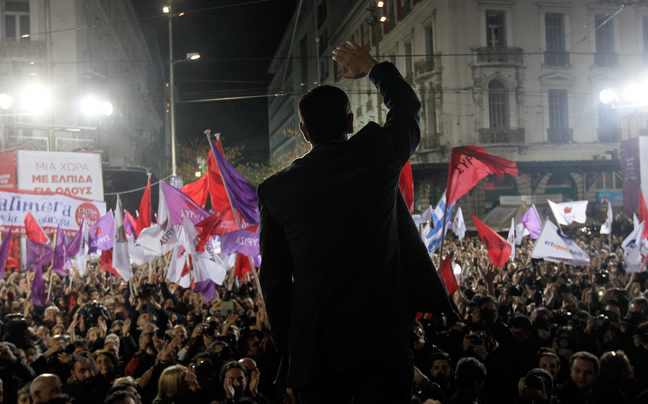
(357, 60)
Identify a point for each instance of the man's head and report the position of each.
(79, 367)
(249, 345)
(440, 368)
(469, 376)
(584, 370)
(45, 387)
(550, 362)
(234, 374)
(521, 327)
(325, 114)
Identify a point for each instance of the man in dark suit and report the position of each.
(342, 263)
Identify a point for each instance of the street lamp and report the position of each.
(175, 180)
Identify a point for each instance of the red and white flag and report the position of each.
(144, 217)
(568, 212)
(643, 213)
(499, 250)
(606, 228)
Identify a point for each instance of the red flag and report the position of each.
(448, 276)
(106, 262)
(197, 191)
(468, 165)
(219, 200)
(406, 184)
(215, 225)
(643, 213)
(34, 231)
(499, 250)
(144, 218)
(243, 266)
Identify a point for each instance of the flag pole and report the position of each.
(229, 199)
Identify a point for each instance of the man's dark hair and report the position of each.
(469, 370)
(324, 111)
(585, 356)
(522, 322)
(232, 365)
(244, 343)
(486, 299)
(118, 396)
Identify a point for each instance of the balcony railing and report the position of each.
(423, 68)
(556, 59)
(507, 55)
(560, 136)
(608, 135)
(606, 59)
(501, 135)
(31, 51)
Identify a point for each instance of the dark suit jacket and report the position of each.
(336, 284)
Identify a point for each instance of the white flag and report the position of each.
(568, 212)
(554, 246)
(635, 220)
(606, 228)
(458, 225)
(511, 238)
(81, 258)
(121, 261)
(632, 249)
(520, 232)
(423, 217)
(177, 262)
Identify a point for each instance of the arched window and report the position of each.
(561, 183)
(498, 105)
(496, 187)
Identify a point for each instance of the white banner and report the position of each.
(568, 212)
(73, 174)
(554, 246)
(49, 210)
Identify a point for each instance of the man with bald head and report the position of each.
(254, 375)
(45, 388)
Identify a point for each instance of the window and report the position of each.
(16, 19)
(323, 42)
(429, 42)
(495, 35)
(608, 130)
(408, 61)
(498, 105)
(558, 118)
(609, 180)
(604, 56)
(555, 36)
(321, 12)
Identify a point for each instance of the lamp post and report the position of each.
(176, 180)
(374, 22)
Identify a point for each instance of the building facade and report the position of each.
(519, 77)
(66, 51)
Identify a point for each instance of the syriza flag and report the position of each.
(458, 225)
(568, 212)
(632, 249)
(553, 245)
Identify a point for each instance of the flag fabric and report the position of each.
(440, 209)
(240, 241)
(73, 247)
(511, 238)
(178, 202)
(406, 184)
(520, 232)
(100, 234)
(423, 217)
(204, 267)
(177, 261)
(144, 217)
(448, 276)
(4, 251)
(82, 255)
(643, 213)
(38, 288)
(606, 228)
(433, 238)
(568, 212)
(632, 249)
(129, 224)
(458, 225)
(242, 194)
(499, 250)
(38, 254)
(469, 165)
(531, 222)
(107, 262)
(58, 261)
(198, 190)
(242, 266)
(553, 245)
(120, 258)
(215, 225)
(34, 231)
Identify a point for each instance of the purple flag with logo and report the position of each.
(74, 245)
(178, 202)
(4, 251)
(59, 253)
(100, 234)
(531, 221)
(207, 288)
(242, 194)
(38, 288)
(243, 241)
(38, 254)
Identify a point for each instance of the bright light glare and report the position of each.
(632, 93)
(35, 100)
(193, 56)
(197, 173)
(5, 101)
(107, 108)
(381, 4)
(166, 9)
(607, 96)
(383, 18)
(89, 105)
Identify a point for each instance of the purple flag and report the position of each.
(100, 234)
(207, 288)
(74, 245)
(178, 202)
(243, 241)
(59, 253)
(242, 194)
(531, 221)
(4, 251)
(129, 228)
(38, 254)
(38, 288)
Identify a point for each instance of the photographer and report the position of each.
(536, 388)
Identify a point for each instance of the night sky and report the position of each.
(236, 40)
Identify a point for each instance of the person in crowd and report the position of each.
(234, 378)
(45, 388)
(581, 387)
(470, 375)
(176, 386)
(615, 382)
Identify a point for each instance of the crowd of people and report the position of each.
(531, 332)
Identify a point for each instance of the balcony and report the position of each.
(560, 136)
(608, 135)
(556, 59)
(423, 69)
(501, 136)
(501, 56)
(606, 59)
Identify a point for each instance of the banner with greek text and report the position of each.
(49, 210)
(72, 174)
